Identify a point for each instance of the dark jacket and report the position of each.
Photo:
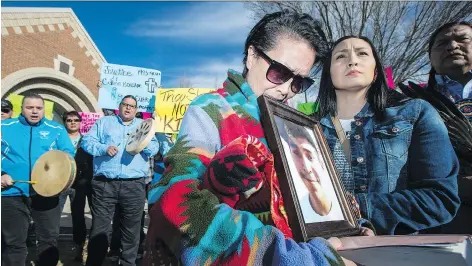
(84, 162)
(462, 222)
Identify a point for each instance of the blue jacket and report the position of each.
(23, 144)
(404, 167)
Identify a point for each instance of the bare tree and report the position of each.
(398, 30)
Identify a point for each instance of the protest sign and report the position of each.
(119, 81)
(16, 100)
(171, 105)
(88, 119)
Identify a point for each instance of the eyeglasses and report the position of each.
(73, 120)
(278, 73)
(6, 110)
(128, 105)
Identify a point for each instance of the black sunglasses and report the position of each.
(278, 74)
(6, 110)
(73, 120)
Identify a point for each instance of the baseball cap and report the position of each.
(6, 104)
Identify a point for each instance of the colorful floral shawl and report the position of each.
(221, 132)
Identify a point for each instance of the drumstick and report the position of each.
(25, 181)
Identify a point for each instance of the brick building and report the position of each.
(48, 51)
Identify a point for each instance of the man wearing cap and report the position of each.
(24, 140)
(7, 109)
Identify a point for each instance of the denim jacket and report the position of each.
(404, 167)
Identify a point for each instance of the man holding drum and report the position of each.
(24, 140)
(119, 178)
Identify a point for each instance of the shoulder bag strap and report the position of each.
(342, 138)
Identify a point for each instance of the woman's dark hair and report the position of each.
(290, 24)
(71, 113)
(432, 39)
(376, 95)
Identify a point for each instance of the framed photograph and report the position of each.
(314, 196)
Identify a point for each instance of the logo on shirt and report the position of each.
(44, 134)
(465, 106)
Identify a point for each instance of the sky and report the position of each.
(196, 40)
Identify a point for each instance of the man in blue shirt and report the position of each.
(24, 140)
(450, 51)
(156, 169)
(119, 179)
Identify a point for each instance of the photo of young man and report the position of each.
(313, 185)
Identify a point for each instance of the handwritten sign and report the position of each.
(16, 100)
(119, 81)
(88, 119)
(171, 105)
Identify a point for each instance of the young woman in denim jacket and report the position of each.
(402, 168)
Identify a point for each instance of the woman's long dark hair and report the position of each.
(376, 95)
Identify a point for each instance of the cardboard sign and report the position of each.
(171, 105)
(88, 119)
(119, 81)
(16, 100)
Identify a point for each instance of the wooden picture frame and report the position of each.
(316, 205)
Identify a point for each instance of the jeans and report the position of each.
(129, 195)
(15, 222)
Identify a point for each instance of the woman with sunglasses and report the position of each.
(216, 203)
(392, 152)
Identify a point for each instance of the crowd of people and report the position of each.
(218, 199)
(112, 192)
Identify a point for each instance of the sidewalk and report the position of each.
(65, 243)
